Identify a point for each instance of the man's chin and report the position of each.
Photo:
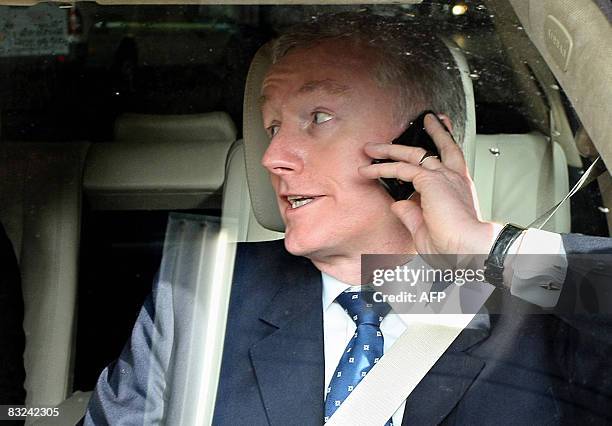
(301, 245)
(295, 248)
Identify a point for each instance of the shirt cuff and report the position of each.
(539, 266)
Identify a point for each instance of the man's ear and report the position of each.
(447, 122)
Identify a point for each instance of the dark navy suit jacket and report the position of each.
(527, 369)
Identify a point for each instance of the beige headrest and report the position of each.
(469, 131)
(210, 126)
(256, 140)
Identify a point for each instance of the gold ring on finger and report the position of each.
(426, 156)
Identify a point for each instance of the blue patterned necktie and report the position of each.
(362, 352)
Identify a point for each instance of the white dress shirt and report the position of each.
(530, 270)
(338, 327)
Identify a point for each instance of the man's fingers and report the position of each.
(404, 171)
(410, 213)
(450, 153)
(452, 156)
(407, 154)
(387, 151)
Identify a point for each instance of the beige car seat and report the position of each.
(161, 162)
(181, 165)
(209, 126)
(40, 188)
(519, 177)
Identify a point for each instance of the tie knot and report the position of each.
(362, 308)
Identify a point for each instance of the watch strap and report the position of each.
(494, 264)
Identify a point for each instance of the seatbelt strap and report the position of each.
(383, 390)
(593, 172)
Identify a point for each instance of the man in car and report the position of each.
(298, 339)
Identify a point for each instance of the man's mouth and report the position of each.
(297, 201)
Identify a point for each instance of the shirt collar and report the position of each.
(332, 289)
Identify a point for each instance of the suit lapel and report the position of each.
(446, 383)
(289, 362)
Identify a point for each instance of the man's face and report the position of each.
(321, 105)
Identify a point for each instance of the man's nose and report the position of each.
(283, 155)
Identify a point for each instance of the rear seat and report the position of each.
(160, 162)
(157, 162)
(206, 127)
(40, 189)
(519, 177)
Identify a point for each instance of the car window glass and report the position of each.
(69, 71)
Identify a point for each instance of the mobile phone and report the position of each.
(414, 135)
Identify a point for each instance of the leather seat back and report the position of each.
(40, 189)
(519, 177)
(161, 162)
(210, 126)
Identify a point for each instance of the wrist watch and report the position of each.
(494, 264)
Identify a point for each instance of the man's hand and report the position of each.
(443, 215)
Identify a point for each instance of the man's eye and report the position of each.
(321, 117)
(273, 130)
